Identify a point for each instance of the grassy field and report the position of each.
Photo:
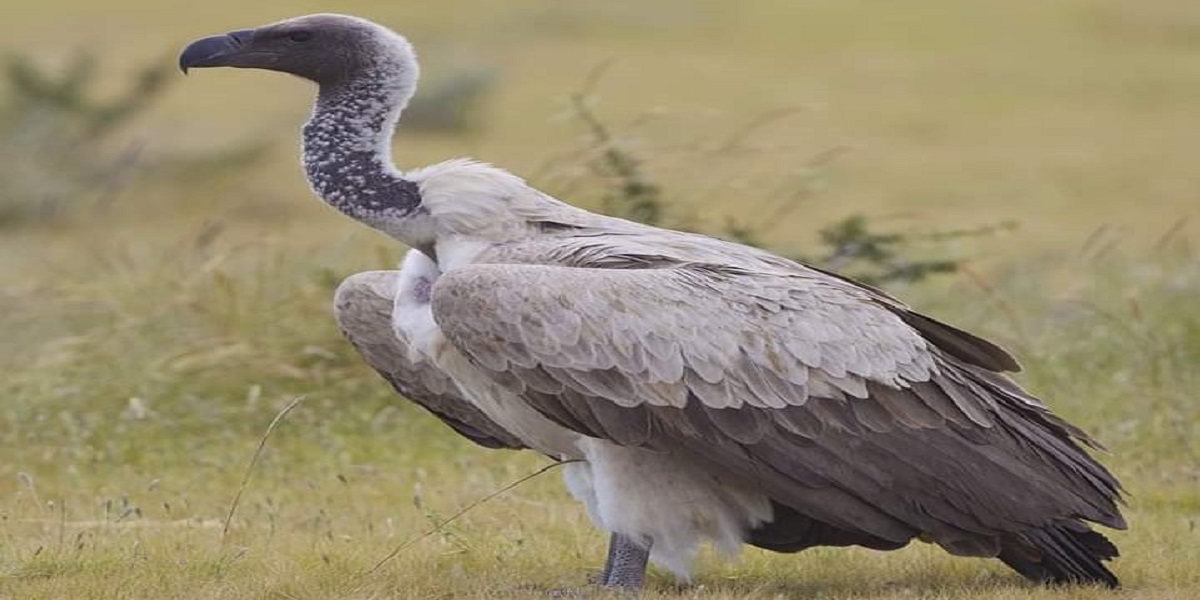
(147, 347)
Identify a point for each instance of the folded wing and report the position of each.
(834, 403)
(363, 307)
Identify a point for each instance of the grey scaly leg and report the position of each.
(626, 565)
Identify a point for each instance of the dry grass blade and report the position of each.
(262, 444)
(468, 508)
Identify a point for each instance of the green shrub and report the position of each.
(61, 143)
(852, 245)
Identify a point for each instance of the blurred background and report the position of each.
(1065, 116)
(1025, 169)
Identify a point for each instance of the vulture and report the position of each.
(706, 391)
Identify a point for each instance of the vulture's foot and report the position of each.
(624, 571)
(626, 565)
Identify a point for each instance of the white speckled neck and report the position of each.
(347, 142)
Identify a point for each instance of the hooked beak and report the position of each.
(223, 51)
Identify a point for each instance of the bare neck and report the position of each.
(347, 148)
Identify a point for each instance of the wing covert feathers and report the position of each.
(837, 406)
(960, 344)
(363, 306)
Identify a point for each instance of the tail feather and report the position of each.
(790, 531)
(1065, 553)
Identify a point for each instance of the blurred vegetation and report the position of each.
(450, 102)
(60, 152)
(66, 146)
(853, 245)
(54, 129)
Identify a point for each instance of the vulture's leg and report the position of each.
(626, 565)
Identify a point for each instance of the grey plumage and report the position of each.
(363, 306)
(900, 437)
(715, 391)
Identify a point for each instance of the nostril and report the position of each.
(242, 36)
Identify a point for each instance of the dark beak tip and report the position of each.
(207, 52)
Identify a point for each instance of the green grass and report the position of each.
(146, 349)
(104, 497)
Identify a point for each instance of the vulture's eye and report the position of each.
(300, 36)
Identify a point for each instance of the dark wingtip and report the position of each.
(961, 344)
(1070, 554)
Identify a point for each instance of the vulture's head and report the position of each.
(325, 48)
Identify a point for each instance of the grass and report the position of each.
(147, 349)
(108, 497)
